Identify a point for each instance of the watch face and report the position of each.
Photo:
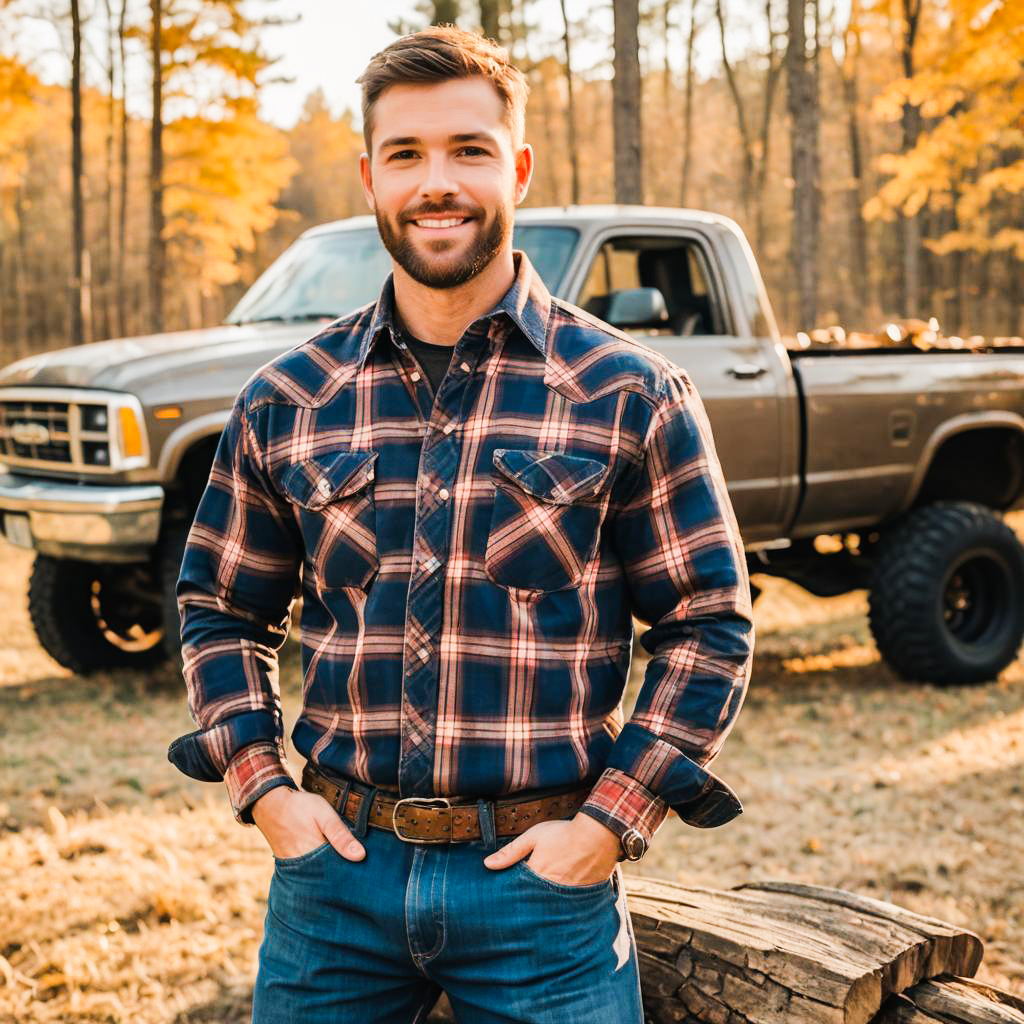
(633, 844)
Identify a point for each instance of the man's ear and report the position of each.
(524, 171)
(366, 180)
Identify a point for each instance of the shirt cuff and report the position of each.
(619, 802)
(253, 771)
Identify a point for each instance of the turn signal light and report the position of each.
(131, 432)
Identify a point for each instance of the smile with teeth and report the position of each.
(437, 222)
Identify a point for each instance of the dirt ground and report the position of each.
(128, 892)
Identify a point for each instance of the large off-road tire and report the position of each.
(947, 595)
(91, 616)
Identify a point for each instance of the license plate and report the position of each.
(17, 530)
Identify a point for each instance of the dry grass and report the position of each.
(128, 893)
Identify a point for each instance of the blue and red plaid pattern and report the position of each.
(470, 565)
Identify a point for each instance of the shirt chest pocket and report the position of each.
(335, 509)
(546, 518)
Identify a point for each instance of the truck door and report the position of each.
(738, 378)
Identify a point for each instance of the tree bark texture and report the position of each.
(626, 104)
(804, 114)
(156, 183)
(77, 205)
(122, 198)
(570, 109)
(911, 125)
(691, 35)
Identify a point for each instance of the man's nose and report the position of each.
(438, 180)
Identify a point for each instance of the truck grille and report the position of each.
(39, 431)
(58, 429)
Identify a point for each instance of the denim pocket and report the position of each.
(591, 889)
(302, 858)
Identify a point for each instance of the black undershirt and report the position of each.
(433, 358)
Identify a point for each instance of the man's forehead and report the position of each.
(439, 111)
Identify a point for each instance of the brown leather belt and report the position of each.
(433, 819)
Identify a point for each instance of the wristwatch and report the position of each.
(634, 846)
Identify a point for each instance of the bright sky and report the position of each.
(334, 39)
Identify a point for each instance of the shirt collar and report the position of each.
(527, 304)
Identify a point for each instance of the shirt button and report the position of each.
(448, 427)
(443, 494)
(423, 654)
(464, 366)
(415, 375)
(323, 486)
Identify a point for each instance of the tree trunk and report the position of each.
(863, 299)
(570, 110)
(122, 200)
(746, 148)
(156, 185)
(771, 81)
(911, 124)
(108, 191)
(684, 186)
(490, 20)
(803, 108)
(626, 104)
(446, 12)
(77, 207)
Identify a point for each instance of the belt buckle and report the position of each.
(425, 802)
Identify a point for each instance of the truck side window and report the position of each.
(673, 266)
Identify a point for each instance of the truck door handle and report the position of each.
(747, 371)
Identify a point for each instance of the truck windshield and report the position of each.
(325, 276)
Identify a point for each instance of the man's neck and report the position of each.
(441, 315)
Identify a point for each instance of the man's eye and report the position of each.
(473, 151)
(403, 154)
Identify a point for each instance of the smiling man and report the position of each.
(479, 487)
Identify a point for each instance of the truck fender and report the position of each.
(182, 439)
(951, 428)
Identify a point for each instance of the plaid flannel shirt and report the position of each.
(470, 565)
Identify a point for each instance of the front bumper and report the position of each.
(94, 522)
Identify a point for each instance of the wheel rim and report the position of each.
(977, 599)
(127, 609)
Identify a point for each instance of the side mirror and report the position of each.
(637, 307)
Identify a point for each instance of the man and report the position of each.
(480, 485)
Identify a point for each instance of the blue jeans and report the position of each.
(375, 941)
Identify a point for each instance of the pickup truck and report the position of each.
(887, 468)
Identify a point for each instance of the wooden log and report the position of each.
(771, 952)
(947, 1000)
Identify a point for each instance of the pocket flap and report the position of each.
(313, 483)
(551, 476)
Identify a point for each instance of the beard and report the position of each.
(482, 250)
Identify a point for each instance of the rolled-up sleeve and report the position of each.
(238, 578)
(685, 569)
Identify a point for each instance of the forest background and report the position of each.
(872, 150)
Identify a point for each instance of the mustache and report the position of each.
(433, 210)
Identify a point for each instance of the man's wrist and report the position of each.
(267, 802)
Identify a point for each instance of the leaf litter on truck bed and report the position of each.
(129, 893)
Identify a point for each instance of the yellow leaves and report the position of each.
(19, 116)
(971, 99)
(223, 177)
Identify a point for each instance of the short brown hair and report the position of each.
(439, 54)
